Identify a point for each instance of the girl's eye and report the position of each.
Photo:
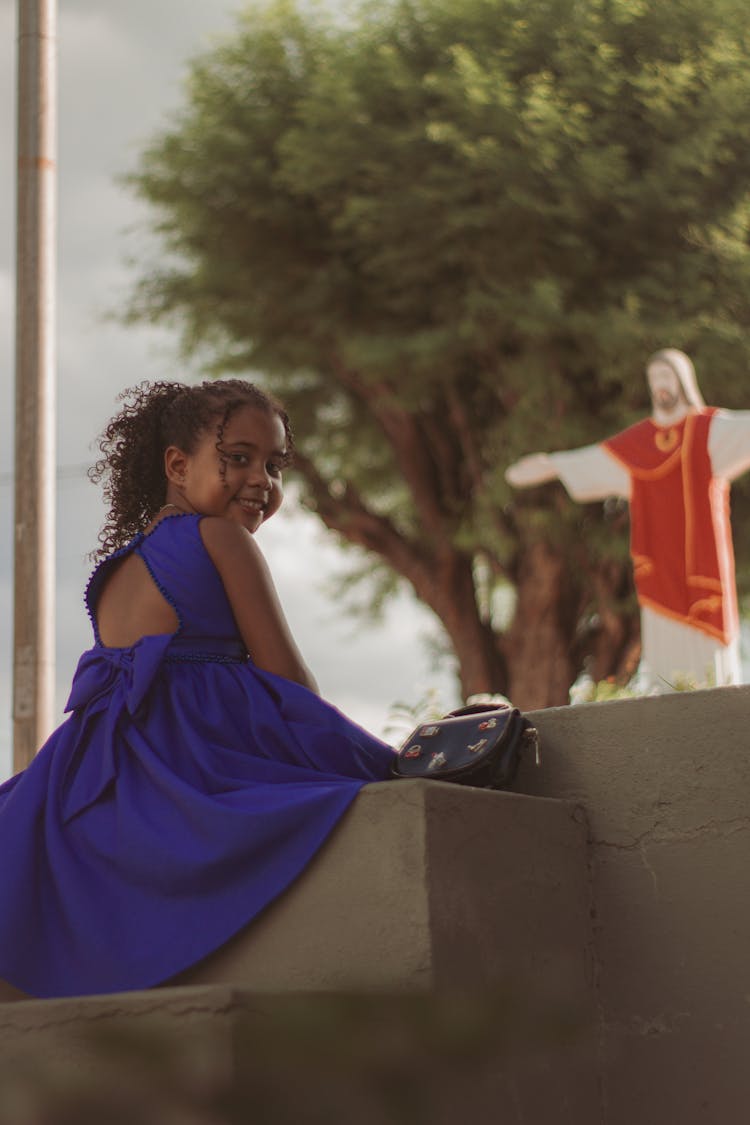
(242, 460)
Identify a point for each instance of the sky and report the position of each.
(121, 68)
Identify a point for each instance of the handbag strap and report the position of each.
(476, 708)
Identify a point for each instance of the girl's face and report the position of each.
(248, 488)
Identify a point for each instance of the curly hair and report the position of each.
(155, 416)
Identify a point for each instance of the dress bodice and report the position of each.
(180, 567)
(122, 678)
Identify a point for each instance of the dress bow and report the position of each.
(129, 670)
(109, 680)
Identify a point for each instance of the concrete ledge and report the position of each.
(676, 763)
(426, 885)
(453, 926)
(221, 1054)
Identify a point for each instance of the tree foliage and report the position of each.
(449, 232)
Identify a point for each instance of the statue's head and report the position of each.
(672, 382)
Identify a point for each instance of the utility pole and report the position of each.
(34, 515)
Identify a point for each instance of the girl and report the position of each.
(199, 771)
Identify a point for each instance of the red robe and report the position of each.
(680, 536)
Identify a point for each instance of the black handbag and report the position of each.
(476, 745)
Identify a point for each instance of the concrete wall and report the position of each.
(666, 786)
(596, 920)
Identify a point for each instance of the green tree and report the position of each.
(449, 232)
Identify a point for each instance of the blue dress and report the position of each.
(186, 791)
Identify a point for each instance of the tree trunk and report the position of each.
(452, 597)
(616, 647)
(538, 644)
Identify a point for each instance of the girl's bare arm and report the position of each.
(254, 601)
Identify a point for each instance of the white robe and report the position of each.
(670, 650)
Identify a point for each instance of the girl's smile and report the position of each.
(236, 473)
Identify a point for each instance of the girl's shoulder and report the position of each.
(231, 547)
(222, 532)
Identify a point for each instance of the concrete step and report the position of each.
(222, 1055)
(425, 885)
(432, 961)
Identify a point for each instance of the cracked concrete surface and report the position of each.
(666, 786)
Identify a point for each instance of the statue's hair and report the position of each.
(155, 416)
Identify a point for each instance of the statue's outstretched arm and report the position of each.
(588, 473)
(535, 468)
(729, 443)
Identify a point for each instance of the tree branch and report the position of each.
(405, 434)
(466, 440)
(343, 510)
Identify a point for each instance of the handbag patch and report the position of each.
(475, 747)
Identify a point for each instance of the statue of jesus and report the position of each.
(675, 469)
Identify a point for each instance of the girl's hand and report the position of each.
(254, 601)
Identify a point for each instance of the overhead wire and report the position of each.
(64, 472)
